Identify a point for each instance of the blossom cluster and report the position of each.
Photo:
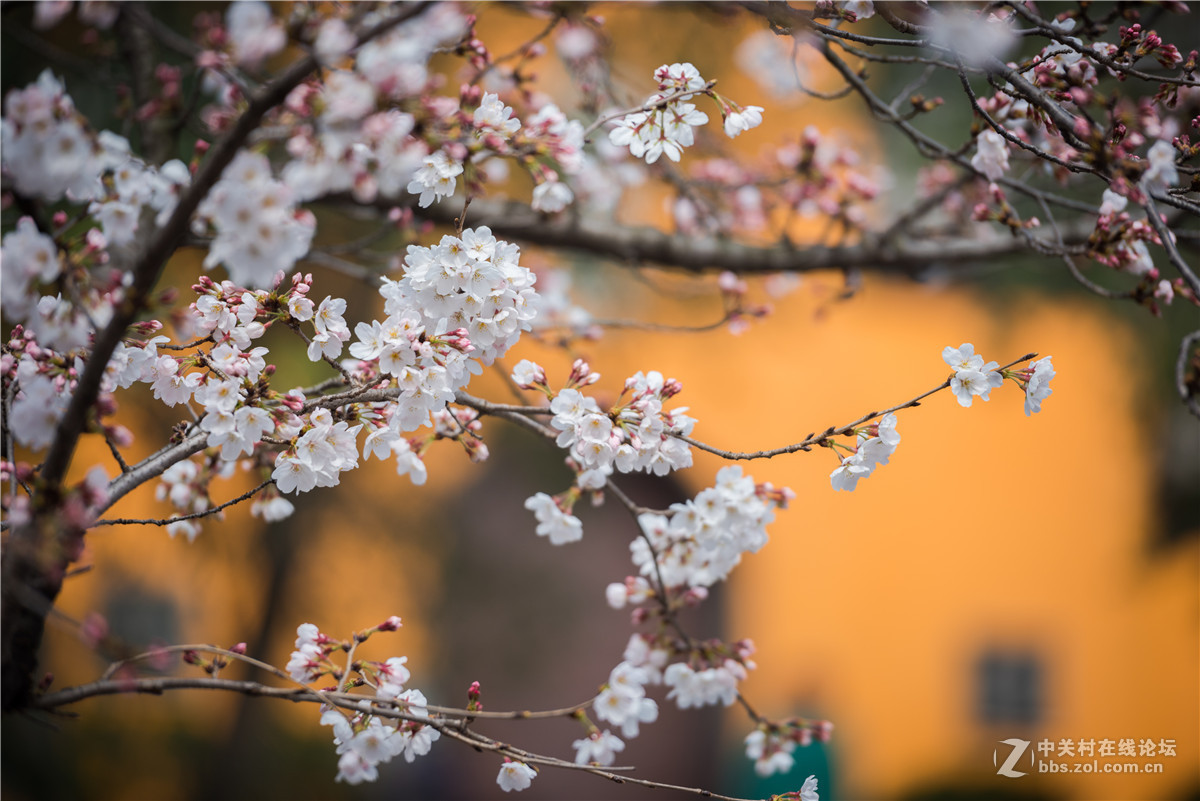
(185, 485)
(325, 449)
(1122, 242)
(475, 283)
(1036, 382)
(622, 702)
(352, 132)
(48, 150)
(972, 378)
(453, 295)
(697, 675)
(553, 521)
(41, 386)
(365, 741)
(1142, 158)
(50, 153)
(635, 434)
(771, 745)
(372, 129)
(702, 539)
(696, 545)
(875, 444)
(363, 738)
(665, 127)
(258, 231)
(665, 124)
(819, 174)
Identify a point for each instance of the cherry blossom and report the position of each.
(435, 179)
(552, 196)
(623, 700)
(991, 155)
(258, 232)
(861, 9)
(1161, 173)
(1035, 380)
(559, 526)
(666, 128)
(493, 116)
(771, 753)
(515, 776)
(971, 377)
(599, 748)
(253, 32)
(738, 122)
(704, 538)
(528, 374)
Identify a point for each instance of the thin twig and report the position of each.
(352, 702)
(816, 440)
(1186, 393)
(116, 454)
(125, 521)
(1168, 242)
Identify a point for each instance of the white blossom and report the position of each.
(991, 155)
(515, 776)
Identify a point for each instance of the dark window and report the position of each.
(1009, 688)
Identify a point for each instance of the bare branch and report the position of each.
(456, 730)
(1168, 242)
(630, 245)
(124, 521)
(1189, 391)
(817, 440)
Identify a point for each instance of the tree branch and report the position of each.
(699, 254)
(456, 730)
(817, 440)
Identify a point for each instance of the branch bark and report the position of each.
(637, 246)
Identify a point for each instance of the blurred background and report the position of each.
(1004, 577)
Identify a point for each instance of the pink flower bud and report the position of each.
(470, 95)
(93, 629)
